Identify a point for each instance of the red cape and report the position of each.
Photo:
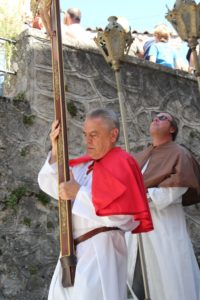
(118, 188)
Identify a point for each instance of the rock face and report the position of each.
(29, 242)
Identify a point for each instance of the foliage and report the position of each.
(24, 151)
(10, 20)
(34, 7)
(72, 109)
(43, 198)
(28, 120)
(14, 197)
(10, 26)
(33, 269)
(27, 221)
(20, 97)
(50, 225)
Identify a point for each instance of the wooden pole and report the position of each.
(68, 258)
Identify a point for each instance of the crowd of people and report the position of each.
(71, 25)
(158, 49)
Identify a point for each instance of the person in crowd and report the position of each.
(72, 28)
(136, 47)
(37, 22)
(106, 202)
(161, 52)
(72, 16)
(146, 48)
(172, 178)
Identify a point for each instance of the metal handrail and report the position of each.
(8, 40)
(11, 42)
(8, 72)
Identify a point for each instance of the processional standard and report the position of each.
(50, 14)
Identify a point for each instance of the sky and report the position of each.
(141, 15)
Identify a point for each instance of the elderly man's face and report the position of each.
(98, 137)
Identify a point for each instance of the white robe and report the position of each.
(172, 269)
(101, 270)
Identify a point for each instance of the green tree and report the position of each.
(10, 19)
(11, 25)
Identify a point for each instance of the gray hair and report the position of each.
(109, 116)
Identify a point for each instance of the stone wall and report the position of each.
(29, 243)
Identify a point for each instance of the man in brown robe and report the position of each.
(171, 176)
(170, 165)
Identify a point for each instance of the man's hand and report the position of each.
(55, 130)
(69, 189)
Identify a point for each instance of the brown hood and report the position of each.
(170, 165)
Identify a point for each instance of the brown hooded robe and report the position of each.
(171, 165)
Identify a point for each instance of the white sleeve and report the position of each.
(84, 207)
(48, 178)
(163, 197)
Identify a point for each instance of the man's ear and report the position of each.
(114, 134)
(172, 130)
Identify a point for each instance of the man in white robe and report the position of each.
(101, 269)
(169, 172)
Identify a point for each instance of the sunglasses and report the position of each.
(161, 118)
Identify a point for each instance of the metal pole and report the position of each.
(125, 132)
(185, 20)
(122, 109)
(8, 72)
(197, 65)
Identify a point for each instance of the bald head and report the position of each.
(72, 16)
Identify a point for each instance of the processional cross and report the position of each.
(50, 13)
